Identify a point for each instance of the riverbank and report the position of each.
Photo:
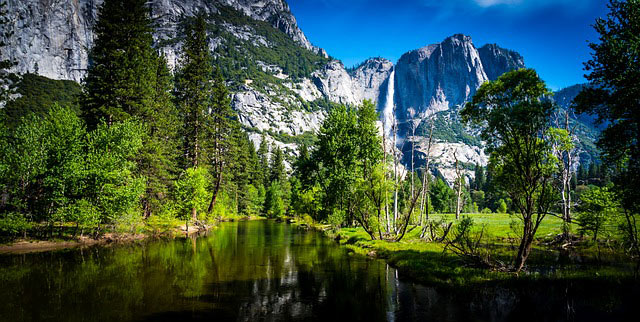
(148, 230)
(428, 262)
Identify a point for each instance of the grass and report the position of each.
(428, 263)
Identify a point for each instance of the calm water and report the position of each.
(262, 270)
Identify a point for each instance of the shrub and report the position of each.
(13, 224)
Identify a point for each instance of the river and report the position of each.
(261, 271)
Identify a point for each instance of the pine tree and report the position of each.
(255, 177)
(238, 172)
(221, 124)
(277, 171)
(128, 79)
(193, 89)
(120, 81)
(159, 155)
(263, 157)
(592, 170)
(479, 180)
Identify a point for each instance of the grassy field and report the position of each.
(427, 262)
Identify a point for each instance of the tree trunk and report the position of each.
(523, 252)
(459, 183)
(384, 178)
(215, 191)
(395, 178)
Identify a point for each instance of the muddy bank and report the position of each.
(24, 246)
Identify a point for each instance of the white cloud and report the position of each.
(489, 3)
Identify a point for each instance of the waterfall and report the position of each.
(388, 111)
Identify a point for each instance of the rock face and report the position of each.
(370, 77)
(340, 86)
(496, 61)
(441, 76)
(51, 37)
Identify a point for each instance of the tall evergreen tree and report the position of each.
(263, 157)
(159, 155)
(221, 127)
(238, 169)
(479, 177)
(128, 79)
(194, 90)
(277, 171)
(120, 81)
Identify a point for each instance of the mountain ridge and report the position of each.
(282, 85)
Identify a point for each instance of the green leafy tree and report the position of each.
(191, 191)
(349, 149)
(274, 204)
(112, 183)
(596, 207)
(441, 196)
(43, 163)
(514, 113)
(613, 74)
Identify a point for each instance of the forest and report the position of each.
(139, 148)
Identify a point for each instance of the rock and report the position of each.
(438, 77)
(340, 86)
(335, 83)
(497, 61)
(369, 77)
(51, 38)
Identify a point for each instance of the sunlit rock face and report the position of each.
(344, 87)
(369, 78)
(441, 76)
(52, 37)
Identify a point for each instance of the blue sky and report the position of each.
(551, 35)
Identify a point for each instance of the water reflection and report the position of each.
(252, 271)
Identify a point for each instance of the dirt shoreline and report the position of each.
(26, 246)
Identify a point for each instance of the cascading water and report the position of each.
(388, 111)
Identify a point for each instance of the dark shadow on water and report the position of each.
(267, 271)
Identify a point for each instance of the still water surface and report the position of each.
(263, 271)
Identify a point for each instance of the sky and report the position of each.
(551, 35)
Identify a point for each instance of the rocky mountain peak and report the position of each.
(439, 76)
(496, 60)
(53, 39)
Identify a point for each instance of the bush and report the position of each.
(164, 220)
(502, 207)
(486, 211)
(13, 224)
